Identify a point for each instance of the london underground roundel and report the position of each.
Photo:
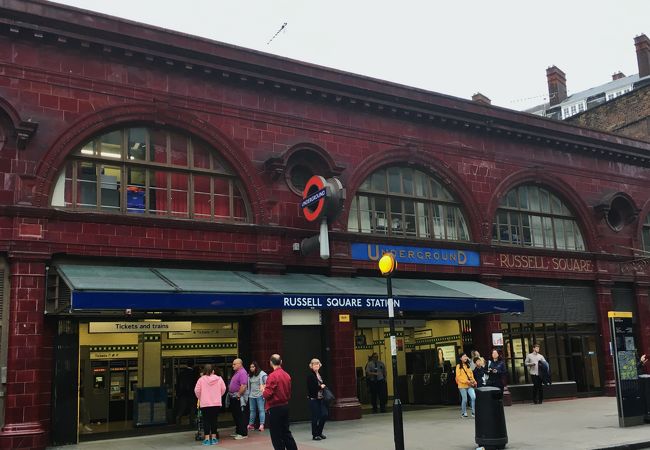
(313, 198)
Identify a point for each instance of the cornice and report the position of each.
(61, 25)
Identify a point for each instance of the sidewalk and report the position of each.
(583, 424)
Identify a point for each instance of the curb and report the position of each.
(632, 446)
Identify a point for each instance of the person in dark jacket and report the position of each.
(479, 371)
(186, 379)
(496, 370)
(317, 406)
(642, 365)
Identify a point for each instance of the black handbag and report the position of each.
(328, 397)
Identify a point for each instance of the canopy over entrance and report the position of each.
(97, 288)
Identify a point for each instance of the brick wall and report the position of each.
(627, 115)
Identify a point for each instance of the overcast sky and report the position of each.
(500, 48)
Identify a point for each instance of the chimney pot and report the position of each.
(480, 98)
(642, 44)
(556, 80)
(618, 75)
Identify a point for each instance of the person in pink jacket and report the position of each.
(209, 390)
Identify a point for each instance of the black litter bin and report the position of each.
(490, 424)
(644, 381)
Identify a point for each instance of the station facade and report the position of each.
(150, 218)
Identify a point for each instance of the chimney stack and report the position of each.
(642, 44)
(618, 75)
(480, 98)
(556, 80)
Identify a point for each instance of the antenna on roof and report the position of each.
(278, 32)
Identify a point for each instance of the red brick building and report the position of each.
(150, 207)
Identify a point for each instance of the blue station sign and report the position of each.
(417, 255)
(181, 301)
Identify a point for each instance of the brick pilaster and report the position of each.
(641, 291)
(29, 362)
(340, 337)
(605, 303)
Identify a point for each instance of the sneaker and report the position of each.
(322, 436)
(316, 438)
(463, 416)
(250, 427)
(261, 428)
(87, 429)
(233, 435)
(239, 437)
(207, 442)
(214, 441)
(473, 415)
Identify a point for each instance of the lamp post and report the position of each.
(387, 265)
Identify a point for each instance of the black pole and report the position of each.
(398, 424)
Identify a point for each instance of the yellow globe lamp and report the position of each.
(387, 264)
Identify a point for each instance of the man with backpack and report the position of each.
(532, 362)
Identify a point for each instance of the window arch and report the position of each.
(405, 202)
(531, 216)
(645, 234)
(151, 171)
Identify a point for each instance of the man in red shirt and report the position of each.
(276, 393)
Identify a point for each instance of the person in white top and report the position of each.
(532, 361)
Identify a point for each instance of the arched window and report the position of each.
(532, 216)
(150, 171)
(400, 201)
(645, 234)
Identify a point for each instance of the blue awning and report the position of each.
(96, 288)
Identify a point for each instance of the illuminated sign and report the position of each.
(529, 262)
(416, 255)
(138, 327)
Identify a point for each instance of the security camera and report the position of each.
(128, 311)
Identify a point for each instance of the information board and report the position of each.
(628, 390)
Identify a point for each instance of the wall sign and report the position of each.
(344, 317)
(497, 339)
(416, 255)
(138, 327)
(530, 262)
(175, 301)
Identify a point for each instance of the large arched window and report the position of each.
(645, 233)
(400, 201)
(150, 171)
(531, 216)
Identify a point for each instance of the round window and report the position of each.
(298, 177)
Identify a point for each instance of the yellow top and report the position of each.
(464, 377)
(619, 314)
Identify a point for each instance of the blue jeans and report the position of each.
(256, 404)
(463, 403)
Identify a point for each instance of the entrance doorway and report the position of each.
(301, 344)
(125, 385)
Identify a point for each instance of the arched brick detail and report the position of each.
(416, 158)
(160, 115)
(637, 239)
(8, 109)
(582, 211)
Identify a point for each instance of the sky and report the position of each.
(500, 48)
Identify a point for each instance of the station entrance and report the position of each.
(129, 380)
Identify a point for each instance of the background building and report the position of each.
(562, 106)
(150, 206)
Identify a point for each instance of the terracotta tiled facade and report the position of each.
(68, 75)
